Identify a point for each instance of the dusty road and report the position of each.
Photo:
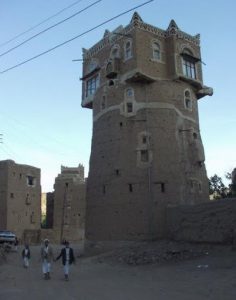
(211, 276)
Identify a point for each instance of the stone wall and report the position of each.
(213, 222)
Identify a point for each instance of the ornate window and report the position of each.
(115, 52)
(156, 51)
(128, 50)
(189, 64)
(91, 85)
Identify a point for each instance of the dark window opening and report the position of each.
(144, 140)
(121, 124)
(67, 184)
(163, 187)
(12, 195)
(103, 104)
(117, 172)
(20, 175)
(200, 187)
(195, 135)
(30, 180)
(129, 106)
(130, 187)
(104, 189)
(144, 155)
(111, 82)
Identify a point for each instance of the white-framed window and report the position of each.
(129, 107)
(144, 155)
(189, 64)
(156, 51)
(128, 50)
(187, 100)
(91, 85)
(115, 52)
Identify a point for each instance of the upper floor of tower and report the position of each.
(142, 53)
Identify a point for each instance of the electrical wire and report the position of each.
(42, 22)
(50, 27)
(75, 37)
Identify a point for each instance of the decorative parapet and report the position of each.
(110, 38)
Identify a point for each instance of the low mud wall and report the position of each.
(212, 222)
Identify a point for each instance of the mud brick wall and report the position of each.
(213, 222)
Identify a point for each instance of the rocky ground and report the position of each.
(159, 270)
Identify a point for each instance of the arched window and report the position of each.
(115, 52)
(129, 93)
(156, 50)
(128, 50)
(187, 100)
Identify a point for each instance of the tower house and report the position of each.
(143, 85)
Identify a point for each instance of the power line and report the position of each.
(47, 29)
(42, 22)
(72, 39)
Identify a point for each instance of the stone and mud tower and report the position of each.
(143, 84)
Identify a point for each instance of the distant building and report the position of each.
(69, 204)
(143, 85)
(20, 200)
(49, 209)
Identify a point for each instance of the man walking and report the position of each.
(47, 257)
(67, 255)
(26, 256)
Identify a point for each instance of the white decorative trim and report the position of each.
(144, 105)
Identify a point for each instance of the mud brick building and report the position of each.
(143, 85)
(20, 200)
(69, 205)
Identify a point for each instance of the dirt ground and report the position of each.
(146, 271)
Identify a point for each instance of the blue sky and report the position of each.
(41, 118)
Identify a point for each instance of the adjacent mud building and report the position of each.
(20, 200)
(143, 85)
(68, 205)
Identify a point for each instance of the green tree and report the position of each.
(217, 187)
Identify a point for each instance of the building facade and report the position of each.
(20, 199)
(143, 84)
(69, 205)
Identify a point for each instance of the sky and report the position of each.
(41, 119)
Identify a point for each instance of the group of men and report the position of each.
(47, 256)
